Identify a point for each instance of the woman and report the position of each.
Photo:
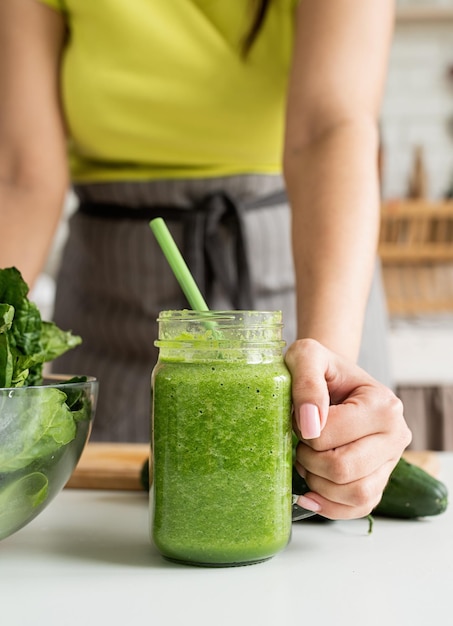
(208, 113)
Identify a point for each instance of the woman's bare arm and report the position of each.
(33, 163)
(330, 162)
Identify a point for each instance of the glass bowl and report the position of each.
(43, 431)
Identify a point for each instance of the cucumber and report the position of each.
(144, 476)
(411, 492)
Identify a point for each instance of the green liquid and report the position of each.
(222, 461)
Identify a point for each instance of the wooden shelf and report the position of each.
(416, 250)
(424, 14)
(415, 255)
(416, 232)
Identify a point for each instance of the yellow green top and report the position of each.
(158, 88)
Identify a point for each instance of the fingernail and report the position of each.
(309, 504)
(309, 422)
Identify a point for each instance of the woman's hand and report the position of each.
(351, 428)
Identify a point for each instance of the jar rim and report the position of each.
(257, 316)
(226, 330)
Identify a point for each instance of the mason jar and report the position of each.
(221, 438)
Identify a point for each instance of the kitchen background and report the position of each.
(418, 105)
(416, 245)
(416, 161)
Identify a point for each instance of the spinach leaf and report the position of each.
(33, 425)
(6, 359)
(6, 317)
(13, 288)
(6, 362)
(78, 402)
(19, 499)
(26, 341)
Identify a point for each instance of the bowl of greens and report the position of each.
(45, 420)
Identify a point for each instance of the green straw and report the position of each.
(178, 265)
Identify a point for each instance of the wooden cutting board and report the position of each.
(118, 465)
(426, 459)
(110, 466)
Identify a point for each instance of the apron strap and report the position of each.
(214, 241)
(214, 221)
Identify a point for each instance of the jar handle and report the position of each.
(298, 512)
(299, 488)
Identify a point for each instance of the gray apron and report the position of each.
(114, 280)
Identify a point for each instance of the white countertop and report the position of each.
(88, 560)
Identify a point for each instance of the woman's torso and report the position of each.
(157, 89)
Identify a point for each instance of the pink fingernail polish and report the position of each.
(308, 503)
(309, 421)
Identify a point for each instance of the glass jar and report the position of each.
(221, 438)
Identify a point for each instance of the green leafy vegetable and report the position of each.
(40, 426)
(26, 341)
(19, 499)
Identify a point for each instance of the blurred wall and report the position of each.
(418, 103)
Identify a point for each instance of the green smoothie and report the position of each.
(222, 460)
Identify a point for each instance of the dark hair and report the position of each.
(257, 23)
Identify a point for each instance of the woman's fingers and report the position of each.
(370, 410)
(352, 431)
(349, 501)
(320, 378)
